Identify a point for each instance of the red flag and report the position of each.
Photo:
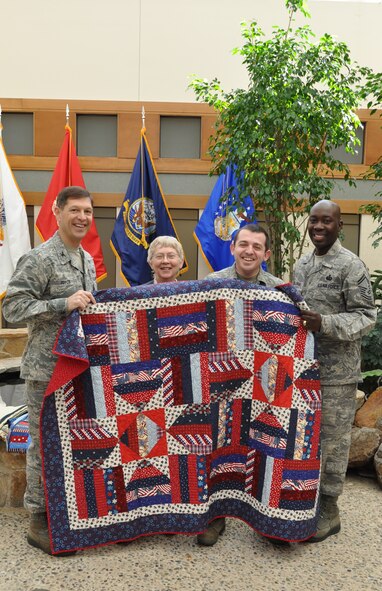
(67, 173)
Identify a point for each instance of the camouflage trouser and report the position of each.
(338, 407)
(34, 498)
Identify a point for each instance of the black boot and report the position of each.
(328, 520)
(212, 533)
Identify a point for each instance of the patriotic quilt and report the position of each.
(174, 404)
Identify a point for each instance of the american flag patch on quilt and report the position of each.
(174, 404)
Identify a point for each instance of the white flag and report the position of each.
(14, 230)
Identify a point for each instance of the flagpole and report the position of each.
(224, 189)
(67, 127)
(143, 236)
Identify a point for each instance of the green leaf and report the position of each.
(372, 373)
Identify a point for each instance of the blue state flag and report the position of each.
(220, 219)
(144, 215)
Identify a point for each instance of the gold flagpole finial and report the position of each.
(143, 118)
(67, 114)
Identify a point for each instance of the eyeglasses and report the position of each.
(161, 257)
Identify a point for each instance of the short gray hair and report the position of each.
(166, 241)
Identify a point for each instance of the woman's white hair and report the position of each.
(166, 241)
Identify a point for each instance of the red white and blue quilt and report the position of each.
(174, 404)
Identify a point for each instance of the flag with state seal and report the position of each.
(221, 218)
(144, 215)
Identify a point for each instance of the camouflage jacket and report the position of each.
(36, 294)
(263, 278)
(337, 286)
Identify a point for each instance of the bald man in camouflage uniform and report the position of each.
(49, 282)
(336, 286)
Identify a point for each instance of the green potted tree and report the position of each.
(281, 131)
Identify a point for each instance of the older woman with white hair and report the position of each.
(165, 257)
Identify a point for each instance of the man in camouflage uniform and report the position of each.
(49, 282)
(336, 286)
(250, 247)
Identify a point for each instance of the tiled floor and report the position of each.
(240, 561)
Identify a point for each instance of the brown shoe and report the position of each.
(38, 534)
(212, 533)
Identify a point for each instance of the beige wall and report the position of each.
(355, 23)
(147, 49)
(371, 256)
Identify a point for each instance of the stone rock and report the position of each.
(17, 487)
(378, 465)
(378, 425)
(364, 444)
(12, 478)
(370, 411)
(12, 341)
(3, 489)
(11, 461)
(360, 399)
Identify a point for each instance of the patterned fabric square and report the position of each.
(99, 492)
(142, 434)
(228, 469)
(273, 381)
(136, 383)
(91, 443)
(227, 376)
(181, 330)
(268, 433)
(307, 385)
(173, 404)
(147, 486)
(192, 429)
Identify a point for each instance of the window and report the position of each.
(350, 231)
(357, 157)
(18, 133)
(97, 135)
(180, 137)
